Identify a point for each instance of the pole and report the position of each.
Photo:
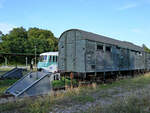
(35, 64)
(71, 77)
(26, 61)
(5, 61)
(35, 56)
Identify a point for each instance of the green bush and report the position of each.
(61, 83)
(4, 84)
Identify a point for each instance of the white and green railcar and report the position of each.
(48, 62)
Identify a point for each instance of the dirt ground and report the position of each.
(102, 98)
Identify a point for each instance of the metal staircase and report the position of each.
(14, 73)
(32, 84)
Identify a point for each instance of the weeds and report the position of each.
(131, 104)
(61, 83)
(136, 102)
(4, 84)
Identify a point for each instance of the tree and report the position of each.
(44, 40)
(14, 41)
(146, 48)
(1, 36)
(19, 40)
(40, 33)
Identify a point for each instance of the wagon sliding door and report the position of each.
(75, 48)
(80, 56)
(124, 63)
(100, 56)
(70, 52)
(90, 56)
(70, 61)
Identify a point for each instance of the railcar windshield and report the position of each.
(52, 58)
(43, 58)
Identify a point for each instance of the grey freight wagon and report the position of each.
(86, 53)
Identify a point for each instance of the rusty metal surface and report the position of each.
(78, 53)
(99, 38)
(148, 61)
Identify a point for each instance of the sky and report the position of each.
(126, 20)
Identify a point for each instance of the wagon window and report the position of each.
(100, 47)
(108, 49)
(93, 66)
(141, 54)
(118, 47)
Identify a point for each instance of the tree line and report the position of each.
(146, 48)
(19, 40)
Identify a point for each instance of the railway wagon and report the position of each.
(84, 53)
(147, 58)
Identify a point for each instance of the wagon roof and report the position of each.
(107, 40)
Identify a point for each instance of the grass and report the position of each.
(47, 103)
(2, 72)
(6, 69)
(136, 82)
(134, 103)
(83, 98)
(128, 104)
(4, 84)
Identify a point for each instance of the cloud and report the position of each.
(141, 31)
(136, 30)
(128, 6)
(5, 28)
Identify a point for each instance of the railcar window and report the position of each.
(108, 49)
(53, 58)
(50, 57)
(100, 47)
(43, 58)
(56, 58)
